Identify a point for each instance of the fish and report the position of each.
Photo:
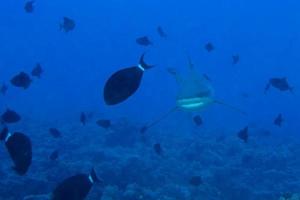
(3, 89)
(209, 47)
(158, 149)
(67, 25)
(10, 117)
(21, 80)
(161, 32)
(104, 123)
(54, 155)
(124, 83)
(55, 132)
(37, 71)
(29, 6)
(198, 120)
(83, 118)
(243, 134)
(75, 187)
(235, 59)
(143, 41)
(278, 120)
(19, 148)
(280, 84)
(195, 181)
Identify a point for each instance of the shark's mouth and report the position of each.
(193, 104)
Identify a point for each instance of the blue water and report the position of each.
(77, 64)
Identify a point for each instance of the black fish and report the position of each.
(29, 6)
(10, 116)
(280, 84)
(161, 32)
(209, 47)
(19, 148)
(75, 187)
(158, 149)
(144, 41)
(104, 123)
(278, 120)
(3, 89)
(54, 155)
(55, 132)
(235, 59)
(198, 120)
(124, 83)
(195, 181)
(21, 80)
(83, 118)
(37, 70)
(243, 134)
(67, 25)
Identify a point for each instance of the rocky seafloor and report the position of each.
(266, 168)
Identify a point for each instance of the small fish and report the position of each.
(55, 132)
(209, 47)
(10, 116)
(158, 149)
(29, 6)
(279, 83)
(196, 181)
(37, 70)
(207, 77)
(21, 80)
(235, 59)
(75, 187)
(198, 120)
(124, 83)
(67, 25)
(19, 148)
(104, 123)
(3, 89)
(54, 155)
(161, 32)
(243, 134)
(83, 118)
(278, 120)
(144, 41)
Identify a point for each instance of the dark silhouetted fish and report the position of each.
(10, 116)
(161, 32)
(209, 47)
(235, 59)
(67, 25)
(83, 118)
(198, 120)
(195, 181)
(29, 6)
(280, 84)
(243, 134)
(75, 187)
(144, 41)
(37, 70)
(54, 155)
(3, 89)
(278, 120)
(124, 83)
(104, 123)
(19, 148)
(158, 149)
(55, 132)
(21, 80)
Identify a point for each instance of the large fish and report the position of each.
(124, 83)
(10, 116)
(280, 84)
(21, 80)
(19, 149)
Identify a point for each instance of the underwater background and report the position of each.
(76, 65)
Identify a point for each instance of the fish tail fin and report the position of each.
(94, 177)
(3, 133)
(143, 63)
(231, 107)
